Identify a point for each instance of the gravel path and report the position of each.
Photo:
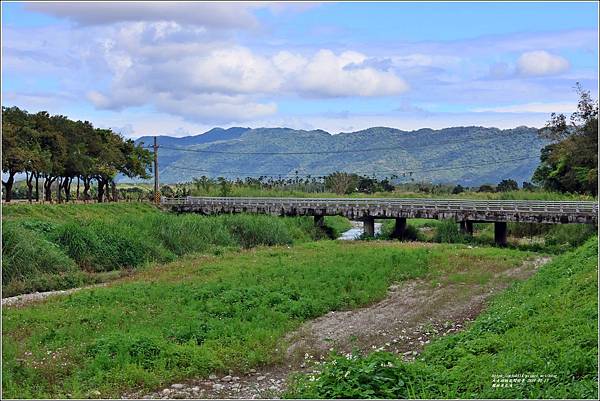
(21, 300)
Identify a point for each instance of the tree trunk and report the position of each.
(100, 190)
(86, 188)
(77, 198)
(47, 187)
(8, 185)
(66, 184)
(37, 187)
(29, 182)
(115, 195)
(59, 190)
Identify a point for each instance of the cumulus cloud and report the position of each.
(228, 80)
(541, 63)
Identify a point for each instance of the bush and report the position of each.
(448, 231)
(26, 254)
(569, 235)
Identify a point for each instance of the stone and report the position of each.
(179, 396)
(166, 391)
(252, 371)
(235, 378)
(226, 378)
(217, 387)
(195, 388)
(260, 378)
(177, 386)
(212, 377)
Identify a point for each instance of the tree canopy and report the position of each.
(570, 164)
(59, 150)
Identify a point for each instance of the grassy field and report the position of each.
(205, 314)
(546, 327)
(50, 247)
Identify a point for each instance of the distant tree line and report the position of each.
(56, 151)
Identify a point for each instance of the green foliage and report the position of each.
(547, 325)
(571, 163)
(567, 236)
(39, 241)
(375, 376)
(60, 150)
(448, 231)
(507, 185)
(197, 316)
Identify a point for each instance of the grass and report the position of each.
(201, 315)
(50, 247)
(546, 327)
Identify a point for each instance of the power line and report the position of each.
(380, 172)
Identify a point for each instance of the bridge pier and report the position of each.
(500, 233)
(319, 221)
(399, 228)
(466, 227)
(369, 226)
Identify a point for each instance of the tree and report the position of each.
(486, 188)
(341, 183)
(570, 163)
(507, 185)
(224, 185)
(15, 153)
(458, 189)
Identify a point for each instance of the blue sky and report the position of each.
(180, 69)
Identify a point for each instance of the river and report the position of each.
(357, 230)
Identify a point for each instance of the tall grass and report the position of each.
(48, 241)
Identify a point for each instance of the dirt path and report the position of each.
(25, 299)
(404, 322)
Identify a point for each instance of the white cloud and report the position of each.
(546, 108)
(541, 63)
(330, 75)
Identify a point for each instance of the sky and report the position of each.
(182, 68)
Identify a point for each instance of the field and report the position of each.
(201, 315)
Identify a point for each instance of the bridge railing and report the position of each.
(585, 207)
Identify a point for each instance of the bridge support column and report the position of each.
(319, 221)
(500, 233)
(369, 226)
(399, 228)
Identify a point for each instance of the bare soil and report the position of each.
(405, 321)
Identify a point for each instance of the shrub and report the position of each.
(448, 231)
(26, 254)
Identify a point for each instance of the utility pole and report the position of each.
(156, 187)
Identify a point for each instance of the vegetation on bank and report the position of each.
(546, 327)
(50, 247)
(549, 238)
(198, 316)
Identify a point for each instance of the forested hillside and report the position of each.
(465, 155)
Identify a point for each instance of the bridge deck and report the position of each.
(551, 212)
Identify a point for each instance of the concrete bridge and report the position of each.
(465, 212)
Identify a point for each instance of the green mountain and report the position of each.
(465, 155)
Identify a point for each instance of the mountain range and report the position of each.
(462, 155)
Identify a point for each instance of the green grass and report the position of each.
(202, 315)
(48, 247)
(547, 325)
